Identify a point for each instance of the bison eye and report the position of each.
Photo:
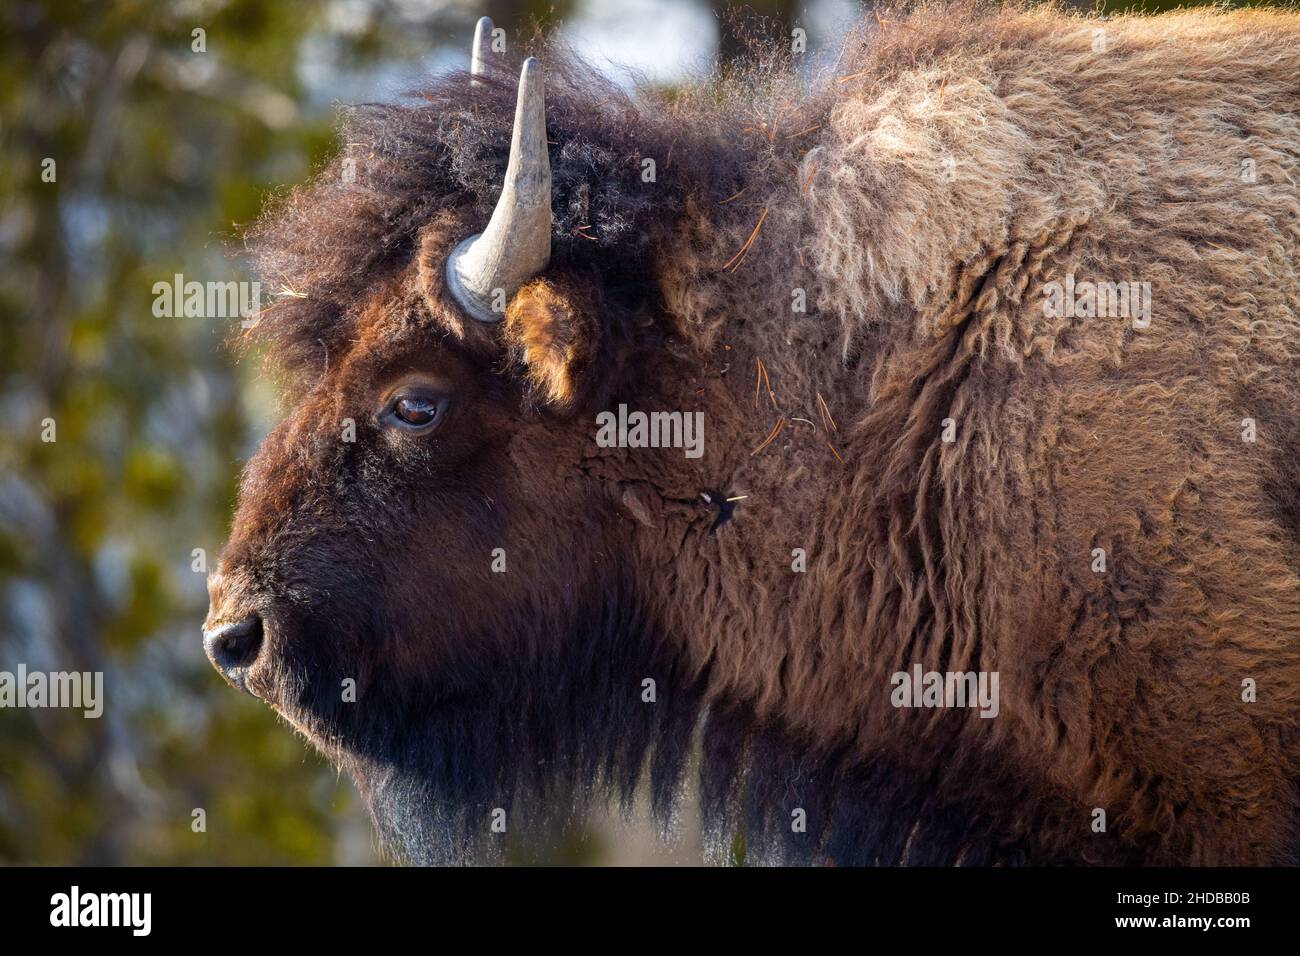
(419, 413)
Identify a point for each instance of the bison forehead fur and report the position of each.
(950, 456)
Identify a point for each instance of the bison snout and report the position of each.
(233, 648)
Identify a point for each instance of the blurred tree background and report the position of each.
(127, 155)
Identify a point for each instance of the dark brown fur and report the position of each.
(922, 196)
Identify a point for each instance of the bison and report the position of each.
(991, 550)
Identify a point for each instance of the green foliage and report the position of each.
(161, 154)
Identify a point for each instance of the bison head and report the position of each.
(431, 573)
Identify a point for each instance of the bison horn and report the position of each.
(485, 270)
(478, 59)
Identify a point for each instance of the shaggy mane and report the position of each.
(726, 146)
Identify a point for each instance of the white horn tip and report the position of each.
(482, 37)
(531, 87)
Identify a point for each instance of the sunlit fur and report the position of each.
(921, 193)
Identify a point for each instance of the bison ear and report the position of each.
(551, 330)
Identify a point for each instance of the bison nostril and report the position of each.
(233, 647)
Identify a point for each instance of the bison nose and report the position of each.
(233, 648)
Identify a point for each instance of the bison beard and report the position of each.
(949, 457)
(538, 743)
(544, 743)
